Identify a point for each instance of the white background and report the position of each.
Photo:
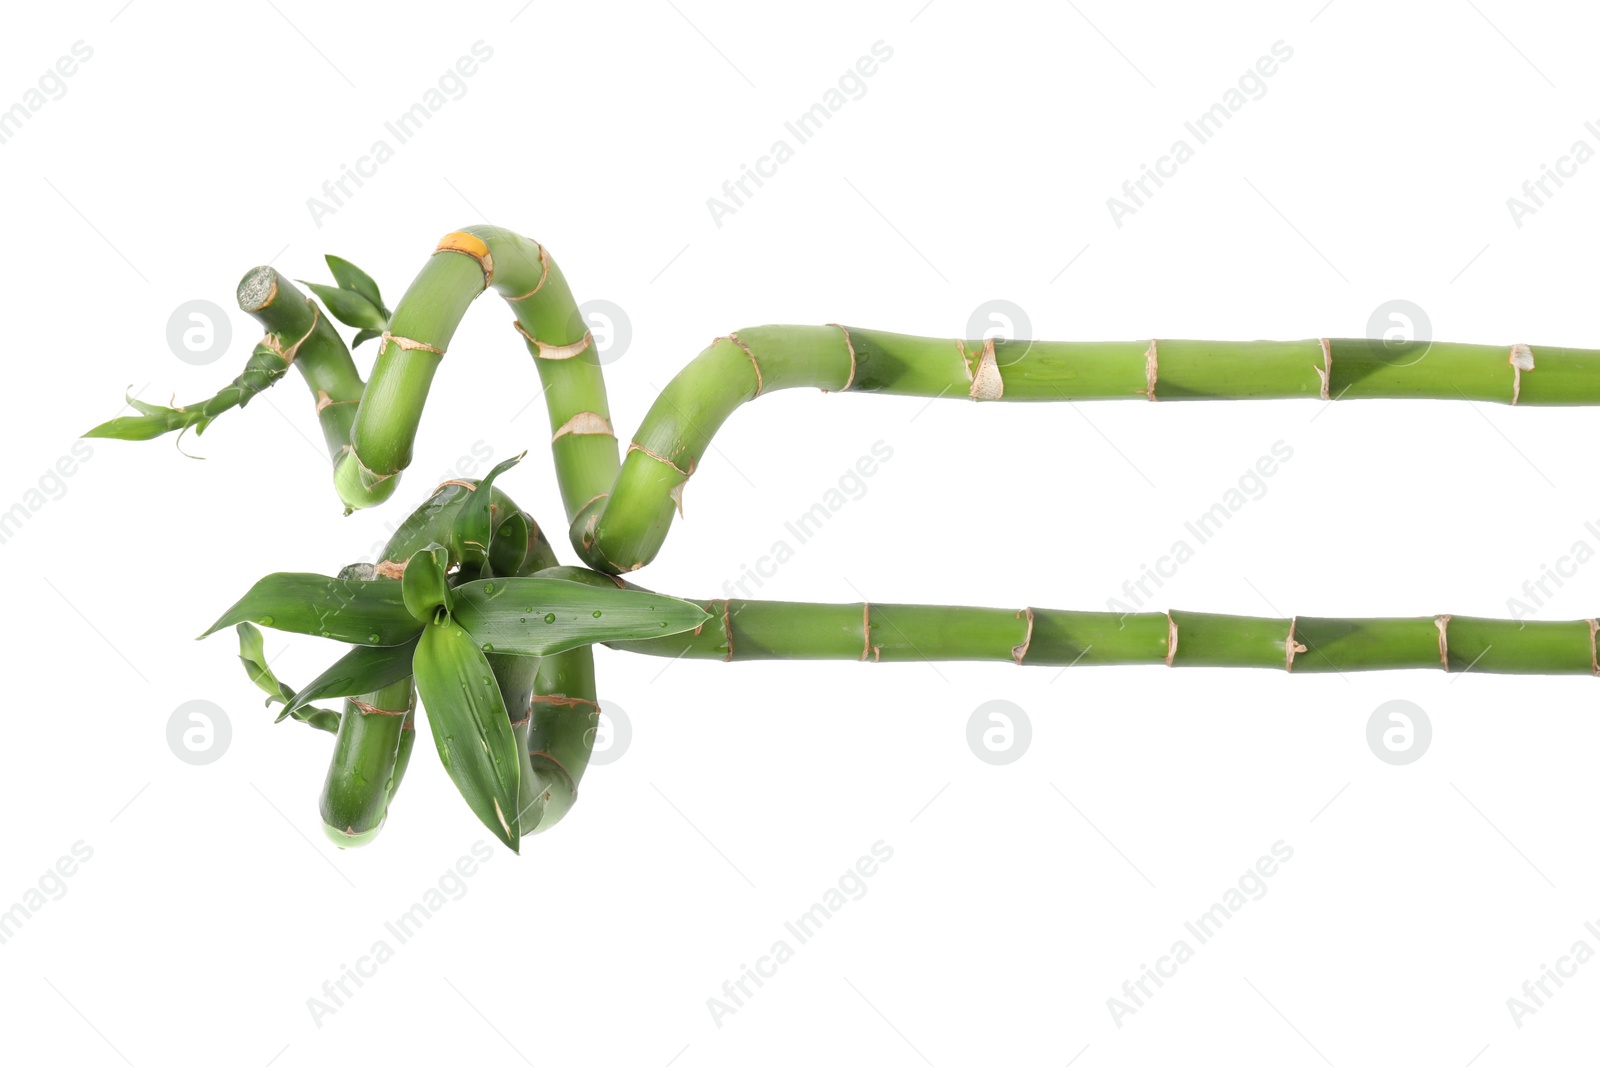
(976, 166)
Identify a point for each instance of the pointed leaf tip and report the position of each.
(352, 278)
(350, 308)
(470, 727)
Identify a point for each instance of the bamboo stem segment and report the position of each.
(908, 633)
(465, 264)
(624, 530)
(299, 333)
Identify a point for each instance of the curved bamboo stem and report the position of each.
(888, 633)
(624, 531)
(464, 264)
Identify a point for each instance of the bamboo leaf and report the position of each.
(359, 613)
(474, 525)
(350, 308)
(364, 669)
(352, 278)
(364, 336)
(253, 654)
(509, 549)
(146, 427)
(424, 586)
(467, 716)
(542, 616)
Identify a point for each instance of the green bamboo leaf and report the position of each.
(508, 551)
(424, 586)
(356, 612)
(467, 716)
(542, 616)
(350, 308)
(145, 427)
(364, 336)
(474, 525)
(352, 278)
(364, 669)
(253, 654)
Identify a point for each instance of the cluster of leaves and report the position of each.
(355, 301)
(455, 603)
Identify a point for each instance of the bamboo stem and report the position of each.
(464, 264)
(297, 330)
(907, 633)
(626, 530)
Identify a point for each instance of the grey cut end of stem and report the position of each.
(257, 289)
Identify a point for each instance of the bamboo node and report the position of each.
(585, 422)
(368, 709)
(760, 384)
(408, 344)
(1291, 647)
(637, 447)
(1151, 370)
(1521, 359)
(1594, 653)
(866, 635)
(986, 381)
(1443, 623)
(288, 354)
(850, 347)
(727, 631)
(561, 700)
(469, 245)
(543, 350)
(1325, 372)
(1172, 639)
(544, 273)
(1020, 652)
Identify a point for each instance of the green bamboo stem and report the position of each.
(464, 264)
(299, 335)
(299, 331)
(907, 633)
(566, 714)
(624, 531)
(365, 769)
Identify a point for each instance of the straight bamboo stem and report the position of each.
(890, 633)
